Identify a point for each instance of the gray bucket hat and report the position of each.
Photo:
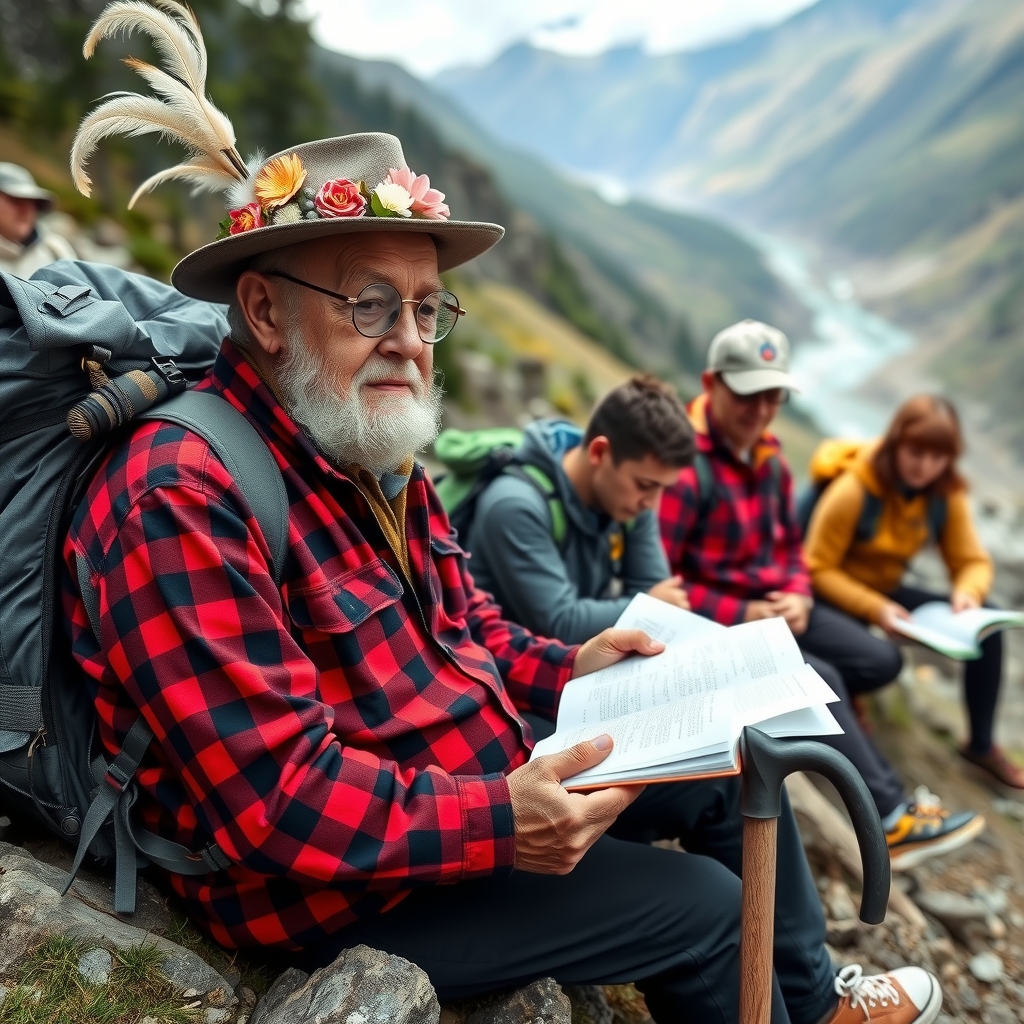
(751, 357)
(366, 159)
(17, 182)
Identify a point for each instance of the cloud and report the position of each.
(429, 35)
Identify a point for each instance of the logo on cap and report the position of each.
(768, 352)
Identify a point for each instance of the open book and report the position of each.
(679, 714)
(956, 634)
(672, 625)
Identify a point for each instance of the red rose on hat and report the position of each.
(339, 198)
(768, 352)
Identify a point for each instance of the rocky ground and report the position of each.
(965, 922)
(72, 960)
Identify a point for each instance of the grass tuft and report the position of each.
(48, 988)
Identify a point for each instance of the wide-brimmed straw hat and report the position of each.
(354, 183)
(369, 158)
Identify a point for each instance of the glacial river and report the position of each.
(848, 345)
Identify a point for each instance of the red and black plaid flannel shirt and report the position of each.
(342, 739)
(749, 544)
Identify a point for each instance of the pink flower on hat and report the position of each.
(339, 198)
(245, 219)
(426, 201)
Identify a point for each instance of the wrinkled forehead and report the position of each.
(408, 261)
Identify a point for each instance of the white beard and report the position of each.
(379, 437)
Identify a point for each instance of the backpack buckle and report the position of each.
(168, 370)
(116, 778)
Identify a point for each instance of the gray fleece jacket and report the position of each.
(559, 594)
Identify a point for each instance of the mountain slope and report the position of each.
(890, 133)
(653, 266)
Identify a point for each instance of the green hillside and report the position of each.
(648, 286)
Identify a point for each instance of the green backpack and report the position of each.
(473, 458)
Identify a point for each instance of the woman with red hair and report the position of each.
(893, 497)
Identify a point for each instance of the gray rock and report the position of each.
(842, 934)
(95, 966)
(48, 862)
(213, 1015)
(31, 906)
(999, 1013)
(968, 997)
(589, 1005)
(995, 899)
(3, 993)
(950, 907)
(986, 967)
(362, 986)
(278, 993)
(540, 1002)
(838, 901)
(246, 996)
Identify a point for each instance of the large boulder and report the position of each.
(363, 984)
(32, 908)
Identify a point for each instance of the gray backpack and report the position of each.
(85, 352)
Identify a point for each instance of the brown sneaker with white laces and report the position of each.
(908, 995)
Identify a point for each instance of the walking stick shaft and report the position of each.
(757, 936)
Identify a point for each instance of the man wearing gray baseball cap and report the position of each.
(26, 245)
(730, 529)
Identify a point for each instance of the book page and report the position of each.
(741, 654)
(955, 634)
(665, 622)
(813, 721)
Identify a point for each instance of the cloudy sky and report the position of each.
(429, 35)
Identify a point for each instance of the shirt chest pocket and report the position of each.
(345, 602)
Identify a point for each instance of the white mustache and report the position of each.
(380, 368)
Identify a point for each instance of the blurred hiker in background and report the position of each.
(880, 503)
(730, 529)
(25, 244)
(567, 534)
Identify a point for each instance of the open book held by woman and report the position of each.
(886, 501)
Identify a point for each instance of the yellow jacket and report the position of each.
(856, 576)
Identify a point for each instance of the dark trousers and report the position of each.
(668, 921)
(982, 677)
(851, 660)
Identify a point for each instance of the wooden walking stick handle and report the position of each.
(766, 763)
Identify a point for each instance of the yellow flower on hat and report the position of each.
(278, 180)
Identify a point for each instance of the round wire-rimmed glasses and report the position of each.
(376, 309)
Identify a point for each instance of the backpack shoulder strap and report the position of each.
(870, 517)
(536, 476)
(705, 485)
(246, 457)
(938, 510)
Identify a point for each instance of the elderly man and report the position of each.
(351, 740)
(25, 245)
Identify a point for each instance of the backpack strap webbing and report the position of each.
(705, 485)
(707, 492)
(536, 476)
(938, 510)
(870, 517)
(246, 457)
(252, 467)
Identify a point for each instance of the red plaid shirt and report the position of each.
(342, 739)
(749, 544)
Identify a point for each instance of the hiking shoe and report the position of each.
(928, 829)
(908, 995)
(997, 764)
